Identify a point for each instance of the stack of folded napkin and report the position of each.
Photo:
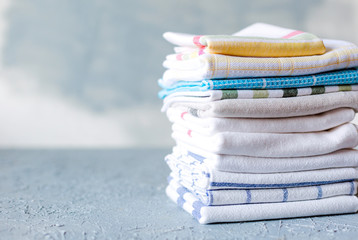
(261, 121)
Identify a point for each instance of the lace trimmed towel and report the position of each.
(251, 212)
(258, 40)
(199, 181)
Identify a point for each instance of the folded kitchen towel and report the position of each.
(339, 55)
(192, 93)
(249, 196)
(200, 180)
(273, 107)
(277, 42)
(309, 123)
(200, 160)
(271, 144)
(251, 212)
(253, 87)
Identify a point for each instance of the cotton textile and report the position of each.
(280, 43)
(195, 158)
(271, 144)
(339, 55)
(253, 212)
(309, 123)
(349, 76)
(198, 181)
(250, 196)
(273, 107)
(262, 124)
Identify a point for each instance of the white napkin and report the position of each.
(309, 123)
(273, 107)
(199, 159)
(271, 144)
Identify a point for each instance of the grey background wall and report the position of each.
(83, 73)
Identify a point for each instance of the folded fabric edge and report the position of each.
(265, 211)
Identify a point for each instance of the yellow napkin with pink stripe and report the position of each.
(257, 40)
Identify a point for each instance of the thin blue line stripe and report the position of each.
(319, 192)
(275, 185)
(285, 194)
(352, 188)
(248, 196)
(196, 156)
(211, 198)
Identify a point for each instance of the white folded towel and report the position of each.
(273, 107)
(271, 144)
(200, 159)
(251, 212)
(249, 196)
(199, 181)
(309, 123)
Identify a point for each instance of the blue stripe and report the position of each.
(196, 156)
(248, 196)
(211, 197)
(285, 195)
(275, 185)
(319, 192)
(352, 188)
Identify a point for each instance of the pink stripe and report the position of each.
(196, 41)
(182, 115)
(201, 52)
(189, 133)
(294, 33)
(179, 57)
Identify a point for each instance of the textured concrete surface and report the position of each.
(119, 194)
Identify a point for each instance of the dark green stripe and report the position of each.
(345, 88)
(318, 90)
(229, 94)
(290, 92)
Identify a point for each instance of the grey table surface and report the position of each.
(119, 194)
